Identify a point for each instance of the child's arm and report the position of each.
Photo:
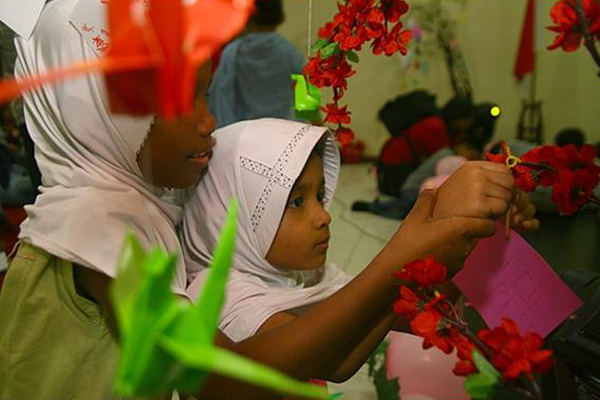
(349, 359)
(95, 286)
(345, 328)
(305, 346)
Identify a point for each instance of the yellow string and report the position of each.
(511, 162)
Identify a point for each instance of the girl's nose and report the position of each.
(323, 219)
(207, 124)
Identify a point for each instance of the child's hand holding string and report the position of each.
(486, 190)
(477, 189)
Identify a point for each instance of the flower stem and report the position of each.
(465, 331)
(594, 199)
(538, 166)
(536, 390)
(585, 30)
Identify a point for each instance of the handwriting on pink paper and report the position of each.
(510, 279)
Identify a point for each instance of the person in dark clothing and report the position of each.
(469, 146)
(570, 136)
(457, 113)
(417, 132)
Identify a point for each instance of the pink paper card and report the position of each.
(508, 278)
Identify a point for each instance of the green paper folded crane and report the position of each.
(307, 99)
(168, 344)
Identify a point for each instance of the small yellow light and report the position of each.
(495, 111)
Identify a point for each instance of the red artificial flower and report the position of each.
(328, 30)
(356, 22)
(374, 31)
(430, 326)
(464, 368)
(408, 304)
(464, 350)
(544, 155)
(394, 9)
(577, 176)
(314, 71)
(336, 115)
(375, 16)
(340, 71)
(425, 272)
(392, 42)
(569, 170)
(513, 354)
(568, 26)
(344, 135)
(528, 178)
(351, 42)
(572, 190)
(496, 158)
(574, 158)
(402, 38)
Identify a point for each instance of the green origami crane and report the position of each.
(307, 99)
(166, 343)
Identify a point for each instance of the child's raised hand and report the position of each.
(449, 240)
(478, 189)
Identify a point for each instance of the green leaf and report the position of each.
(484, 366)
(222, 362)
(335, 396)
(352, 56)
(318, 45)
(148, 307)
(329, 50)
(129, 275)
(483, 384)
(480, 386)
(210, 301)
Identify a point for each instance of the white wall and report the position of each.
(488, 34)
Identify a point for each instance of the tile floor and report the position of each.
(355, 240)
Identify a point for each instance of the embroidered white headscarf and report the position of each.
(92, 191)
(258, 162)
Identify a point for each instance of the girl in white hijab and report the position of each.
(261, 163)
(102, 176)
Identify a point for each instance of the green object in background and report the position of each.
(167, 343)
(387, 389)
(482, 385)
(307, 99)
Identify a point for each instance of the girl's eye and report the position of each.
(321, 196)
(296, 202)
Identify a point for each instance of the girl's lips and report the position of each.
(323, 245)
(201, 159)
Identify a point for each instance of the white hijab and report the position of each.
(92, 189)
(258, 162)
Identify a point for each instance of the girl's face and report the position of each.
(177, 152)
(302, 239)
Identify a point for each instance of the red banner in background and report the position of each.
(525, 63)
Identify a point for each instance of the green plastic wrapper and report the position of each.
(307, 99)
